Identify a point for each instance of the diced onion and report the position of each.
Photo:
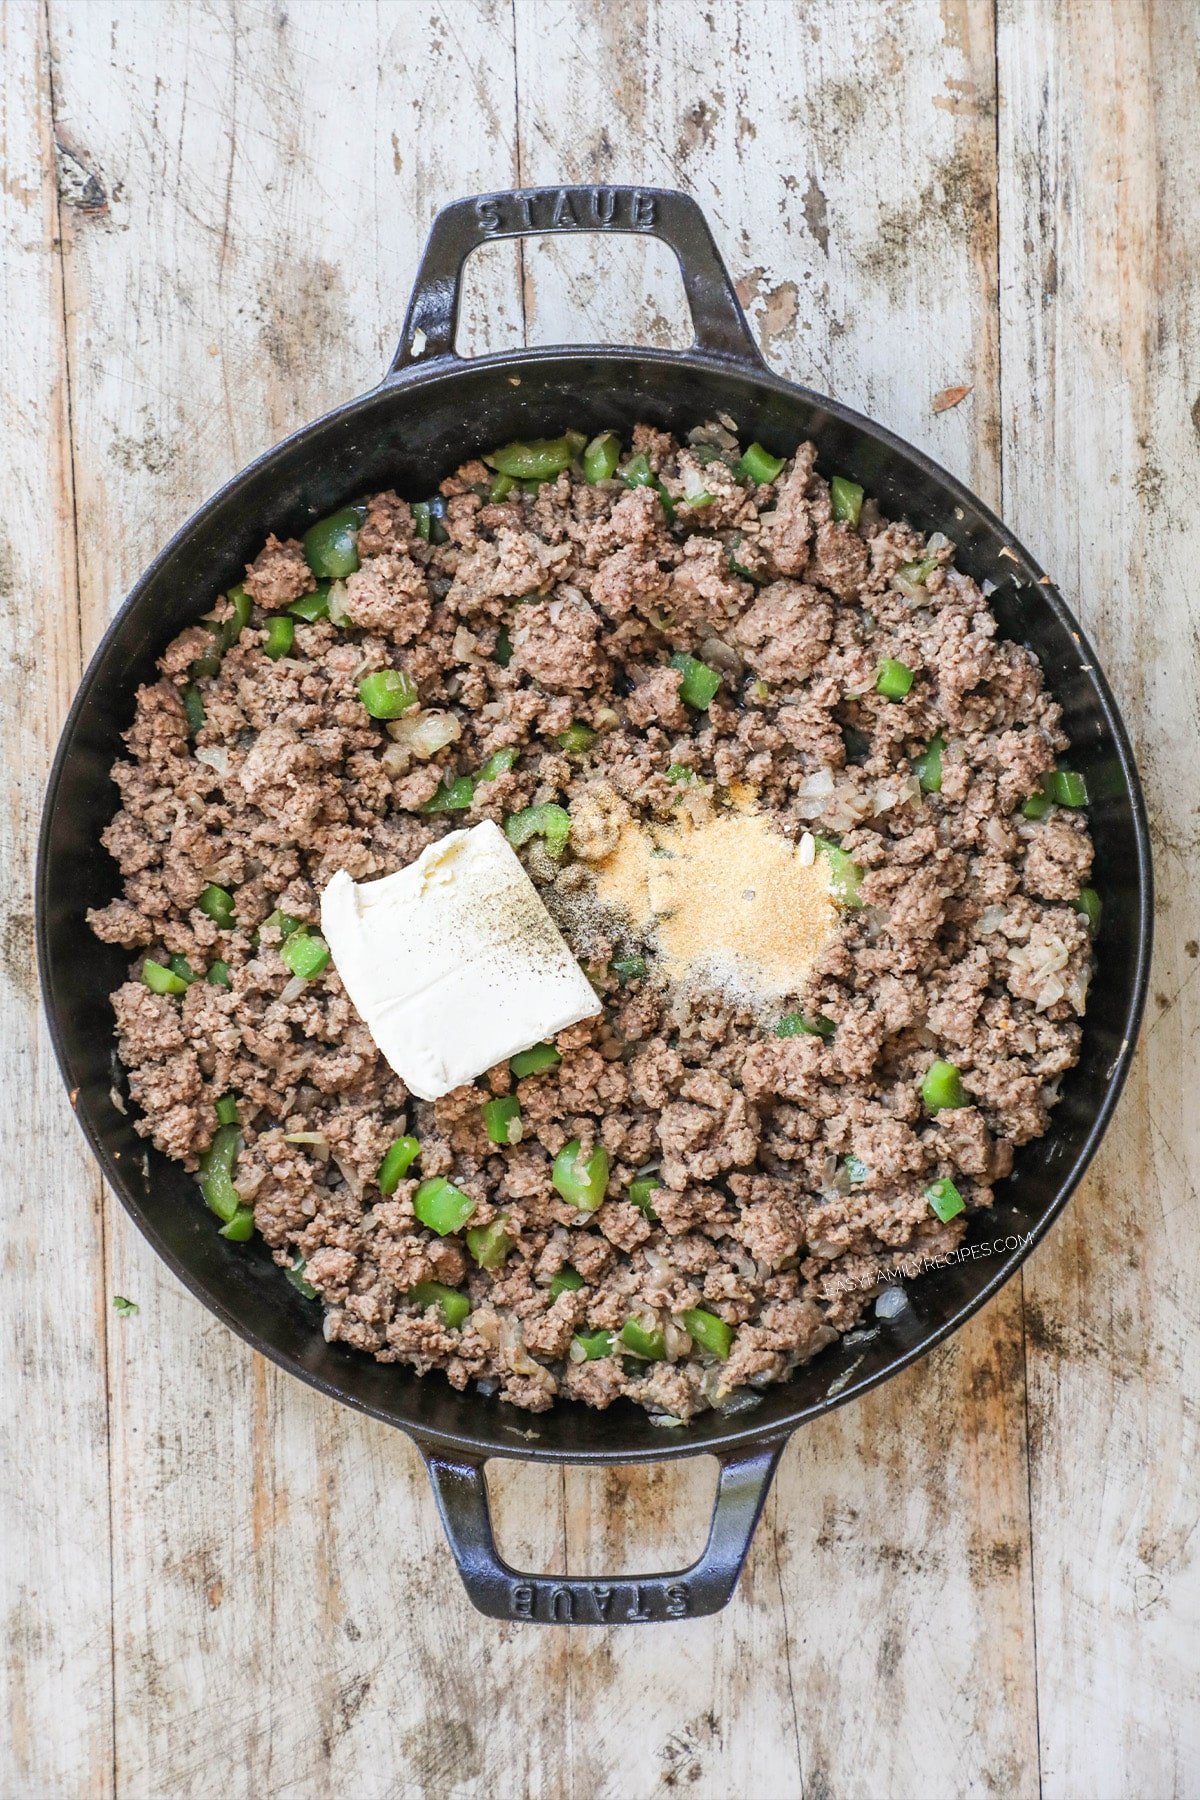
(216, 756)
(912, 590)
(738, 1400)
(1042, 962)
(316, 1141)
(693, 482)
(337, 602)
(293, 989)
(712, 1383)
(485, 1322)
(350, 1175)
(510, 1331)
(891, 1303)
(898, 790)
(722, 656)
(1077, 989)
(423, 734)
(713, 433)
(872, 919)
(814, 793)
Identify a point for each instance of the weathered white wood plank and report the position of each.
(881, 1642)
(1099, 208)
(288, 1620)
(845, 159)
(56, 1688)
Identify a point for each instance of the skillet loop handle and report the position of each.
(432, 318)
(505, 1593)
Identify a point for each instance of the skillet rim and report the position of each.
(738, 1431)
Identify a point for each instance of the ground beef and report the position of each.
(786, 632)
(389, 594)
(277, 576)
(388, 525)
(789, 1171)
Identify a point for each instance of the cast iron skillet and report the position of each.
(430, 412)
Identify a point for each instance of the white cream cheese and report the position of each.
(453, 963)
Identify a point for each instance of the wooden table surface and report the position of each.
(982, 1579)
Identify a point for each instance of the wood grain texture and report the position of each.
(980, 1580)
(1102, 410)
(56, 1686)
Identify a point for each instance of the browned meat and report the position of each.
(789, 1171)
(387, 526)
(389, 593)
(279, 574)
(786, 632)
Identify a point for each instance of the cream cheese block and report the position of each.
(453, 963)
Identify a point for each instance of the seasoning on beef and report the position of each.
(728, 901)
(601, 669)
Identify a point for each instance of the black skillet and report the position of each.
(432, 410)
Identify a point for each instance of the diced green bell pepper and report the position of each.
(489, 1244)
(442, 1206)
(455, 1306)
(331, 545)
(398, 1158)
(534, 1061)
(710, 1332)
(581, 1180)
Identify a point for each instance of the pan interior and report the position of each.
(407, 434)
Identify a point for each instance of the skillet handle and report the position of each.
(719, 322)
(505, 1593)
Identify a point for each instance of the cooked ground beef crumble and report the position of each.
(794, 1169)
